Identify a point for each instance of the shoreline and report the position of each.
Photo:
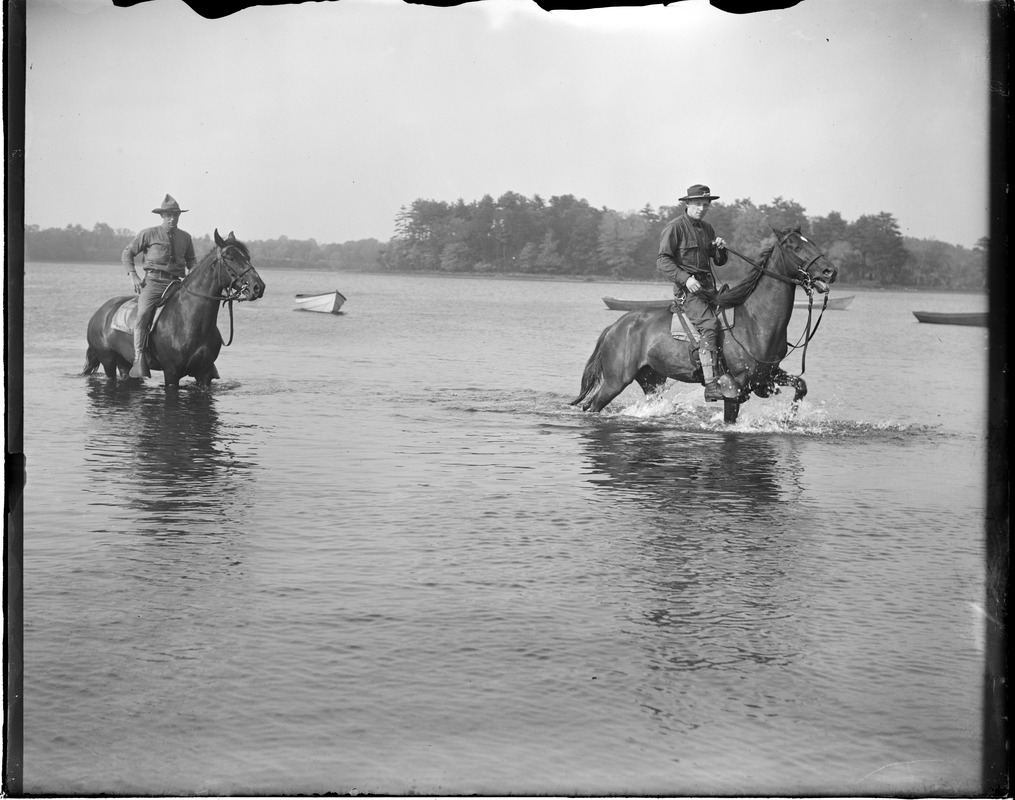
(524, 276)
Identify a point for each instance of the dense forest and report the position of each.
(566, 237)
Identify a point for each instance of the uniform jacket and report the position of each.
(685, 249)
(154, 244)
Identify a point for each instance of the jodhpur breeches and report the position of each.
(704, 319)
(147, 301)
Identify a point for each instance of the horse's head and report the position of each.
(814, 270)
(234, 258)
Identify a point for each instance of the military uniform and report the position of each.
(168, 256)
(687, 250)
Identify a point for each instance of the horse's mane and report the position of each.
(210, 256)
(737, 294)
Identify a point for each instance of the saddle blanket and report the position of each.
(681, 327)
(124, 317)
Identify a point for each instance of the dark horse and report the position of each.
(639, 346)
(186, 339)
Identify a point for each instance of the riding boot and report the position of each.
(139, 369)
(712, 390)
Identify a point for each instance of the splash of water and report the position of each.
(769, 416)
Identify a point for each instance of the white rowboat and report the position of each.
(325, 302)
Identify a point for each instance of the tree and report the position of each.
(782, 214)
(883, 254)
(648, 214)
(619, 237)
(454, 257)
(826, 231)
(549, 259)
(751, 232)
(721, 217)
(575, 226)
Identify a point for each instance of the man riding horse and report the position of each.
(686, 252)
(168, 257)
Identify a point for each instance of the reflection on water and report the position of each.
(676, 471)
(715, 552)
(166, 456)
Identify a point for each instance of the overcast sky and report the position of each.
(320, 120)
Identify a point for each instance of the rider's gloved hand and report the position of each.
(720, 243)
(692, 284)
(137, 282)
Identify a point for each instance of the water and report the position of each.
(383, 554)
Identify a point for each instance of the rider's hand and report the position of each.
(136, 281)
(720, 242)
(692, 284)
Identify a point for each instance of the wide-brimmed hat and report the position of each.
(169, 204)
(698, 192)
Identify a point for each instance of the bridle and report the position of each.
(802, 278)
(231, 291)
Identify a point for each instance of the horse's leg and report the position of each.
(621, 364)
(206, 376)
(109, 366)
(123, 366)
(171, 378)
(783, 378)
(604, 395)
(731, 410)
(601, 379)
(106, 357)
(172, 370)
(649, 380)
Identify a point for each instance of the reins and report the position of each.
(807, 285)
(229, 292)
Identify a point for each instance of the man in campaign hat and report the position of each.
(168, 256)
(687, 251)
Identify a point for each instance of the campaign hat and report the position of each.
(169, 204)
(698, 192)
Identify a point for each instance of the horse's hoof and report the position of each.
(728, 387)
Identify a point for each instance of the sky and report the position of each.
(321, 120)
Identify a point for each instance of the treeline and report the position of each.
(565, 236)
(103, 244)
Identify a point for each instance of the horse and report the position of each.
(640, 347)
(186, 339)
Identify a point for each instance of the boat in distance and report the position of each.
(976, 318)
(323, 302)
(834, 303)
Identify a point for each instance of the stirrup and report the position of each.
(713, 392)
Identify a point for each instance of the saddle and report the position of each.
(682, 329)
(126, 315)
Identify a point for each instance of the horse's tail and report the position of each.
(91, 362)
(592, 377)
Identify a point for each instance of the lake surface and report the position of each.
(383, 554)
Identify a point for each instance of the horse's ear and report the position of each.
(218, 239)
(231, 237)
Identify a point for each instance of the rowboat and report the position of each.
(834, 303)
(977, 318)
(325, 302)
(632, 305)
